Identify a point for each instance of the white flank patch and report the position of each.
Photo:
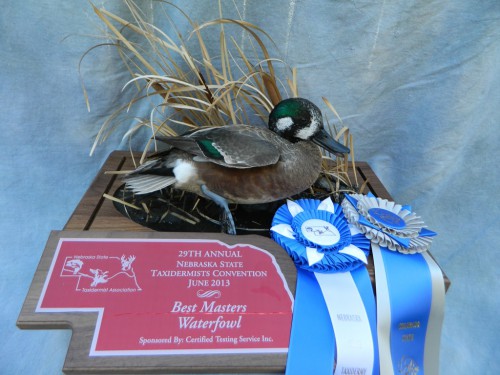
(284, 123)
(183, 171)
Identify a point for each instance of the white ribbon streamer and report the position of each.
(383, 313)
(355, 351)
(434, 325)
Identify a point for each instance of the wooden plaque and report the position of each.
(89, 276)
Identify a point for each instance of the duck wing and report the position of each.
(234, 146)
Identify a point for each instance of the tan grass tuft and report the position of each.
(239, 86)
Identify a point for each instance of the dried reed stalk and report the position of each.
(233, 89)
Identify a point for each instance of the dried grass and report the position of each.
(233, 88)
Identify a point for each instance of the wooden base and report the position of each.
(96, 216)
(96, 213)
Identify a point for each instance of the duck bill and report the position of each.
(324, 140)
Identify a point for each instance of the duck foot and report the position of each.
(226, 218)
(227, 222)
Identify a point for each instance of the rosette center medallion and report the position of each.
(320, 232)
(387, 218)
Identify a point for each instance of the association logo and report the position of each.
(101, 273)
(320, 232)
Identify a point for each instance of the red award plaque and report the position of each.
(148, 302)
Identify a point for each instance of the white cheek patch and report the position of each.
(184, 171)
(308, 132)
(284, 123)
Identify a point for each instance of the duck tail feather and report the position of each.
(145, 184)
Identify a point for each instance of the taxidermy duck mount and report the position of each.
(214, 172)
(243, 164)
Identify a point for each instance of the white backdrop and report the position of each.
(417, 82)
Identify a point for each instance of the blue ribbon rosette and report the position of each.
(333, 290)
(409, 284)
(318, 238)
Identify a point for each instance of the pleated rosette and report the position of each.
(318, 237)
(387, 224)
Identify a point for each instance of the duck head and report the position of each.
(298, 119)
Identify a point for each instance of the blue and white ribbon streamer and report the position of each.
(410, 288)
(334, 310)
